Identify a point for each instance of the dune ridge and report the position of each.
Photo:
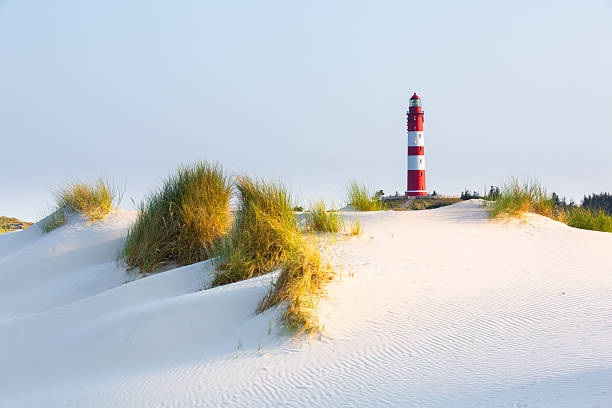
(432, 308)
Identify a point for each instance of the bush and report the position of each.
(514, 199)
(299, 285)
(467, 195)
(318, 219)
(362, 199)
(264, 233)
(589, 219)
(182, 220)
(92, 200)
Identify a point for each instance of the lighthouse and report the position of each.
(415, 185)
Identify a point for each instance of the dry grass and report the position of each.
(355, 227)
(181, 221)
(92, 200)
(265, 237)
(319, 219)
(264, 233)
(361, 198)
(517, 198)
(299, 286)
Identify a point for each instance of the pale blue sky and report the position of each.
(311, 93)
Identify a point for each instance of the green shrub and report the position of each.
(264, 233)
(515, 198)
(92, 200)
(589, 219)
(361, 198)
(319, 219)
(182, 220)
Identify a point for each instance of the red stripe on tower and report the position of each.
(415, 185)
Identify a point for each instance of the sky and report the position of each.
(309, 93)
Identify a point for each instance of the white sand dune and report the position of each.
(435, 308)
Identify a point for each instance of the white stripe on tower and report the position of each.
(416, 139)
(416, 162)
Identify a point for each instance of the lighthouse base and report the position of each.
(416, 193)
(415, 185)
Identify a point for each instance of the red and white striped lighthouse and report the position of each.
(415, 185)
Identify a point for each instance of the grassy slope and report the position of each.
(4, 221)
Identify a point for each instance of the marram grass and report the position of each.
(182, 220)
(319, 219)
(53, 221)
(266, 237)
(299, 286)
(355, 227)
(589, 219)
(92, 200)
(361, 198)
(264, 233)
(517, 198)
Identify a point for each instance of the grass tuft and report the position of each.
(299, 285)
(92, 200)
(53, 221)
(355, 227)
(265, 237)
(181, 221)
(362, 199)
(589, 219)
(264, 233)
(515, 199)
(318, 219)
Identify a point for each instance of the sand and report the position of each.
(433, 308)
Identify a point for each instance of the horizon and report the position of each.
(313, 95)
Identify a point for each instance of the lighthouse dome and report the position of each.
(415, 100)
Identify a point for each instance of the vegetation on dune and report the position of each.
(360, 197)
(183, 220)
(265, 236)
(515, 198)
(264, 233)
(12, 224)
(299, 285)
(319, 219)
(585, 218)
(403, 203)
(53, 221)
(355, 227)
(92, 200)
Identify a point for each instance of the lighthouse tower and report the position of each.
(416, 149)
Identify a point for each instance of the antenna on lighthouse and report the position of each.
(415, 184)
